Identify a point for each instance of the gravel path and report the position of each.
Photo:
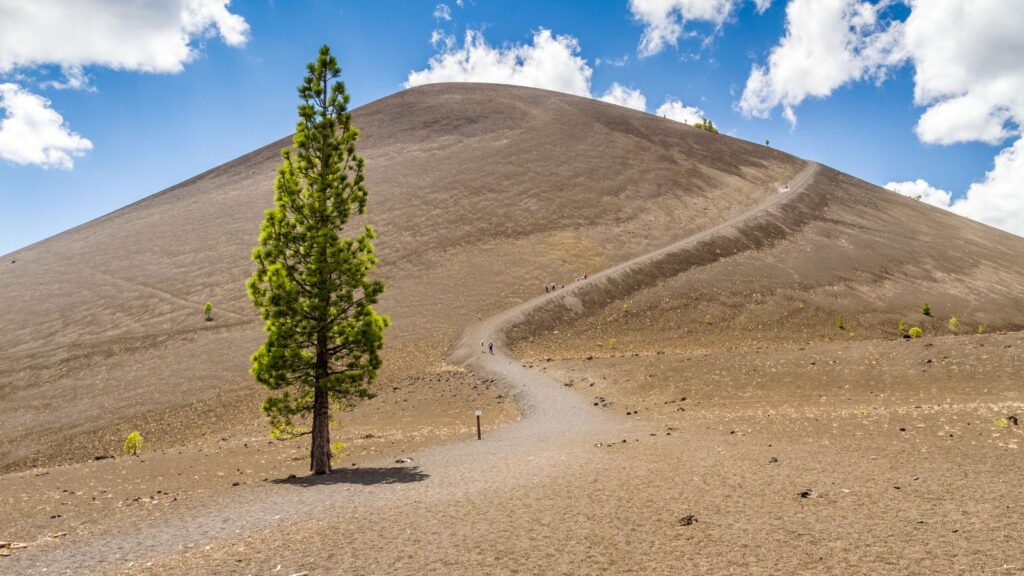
(556, 425)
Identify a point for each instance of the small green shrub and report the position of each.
(1001, 423)
(707, 126)
(612, 342)
(914, 332)
(981, 328)
(133, 444)
(926, 309)
(902, 327)
(709, 320)
(953, 324)
(625, 307)
(208, 311)
(839, 322)
(338, 448)
(283, 430)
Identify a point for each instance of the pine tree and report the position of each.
(323, 338)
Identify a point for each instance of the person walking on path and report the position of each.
(490, 348)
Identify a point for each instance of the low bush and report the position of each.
(707, 126)
(902, 327)
(926, 309)
(133, 444)
(839, 323)
(208, 311)
(953, 324)
(914, 332)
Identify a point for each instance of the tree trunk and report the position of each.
(320, 451)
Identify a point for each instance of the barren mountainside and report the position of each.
(481, 195)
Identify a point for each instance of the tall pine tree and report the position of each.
(311, 283)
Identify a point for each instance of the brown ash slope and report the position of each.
(481, 194)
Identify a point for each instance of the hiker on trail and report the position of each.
(490, 347)
(546, 288)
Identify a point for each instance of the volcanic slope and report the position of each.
(692, 405)
(481, 195)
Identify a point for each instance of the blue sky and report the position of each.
(152, 129)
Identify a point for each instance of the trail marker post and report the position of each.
(478, 436)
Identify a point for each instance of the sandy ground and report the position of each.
(743, 445)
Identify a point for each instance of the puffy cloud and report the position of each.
(828, 43)
(674, 109)
(443, 12)
(665, 20)
(442, 41)
(967, 74)
(923, 191)
(551, 62)
(31, 132)
(149, 36)
(967, 70)
(997, 200)
(143, 36)
(623, 96)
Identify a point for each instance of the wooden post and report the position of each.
(478, 436)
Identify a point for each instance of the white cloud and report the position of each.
(152, 36)
(665, 20)
(551, 62)
(967, 74)
(998, 200)
(623, 96)
(828, 43)
(674, 109)
(74, 79)
(923, 191)
(443, 12)
(967, 56)
(31, 132)
(442, 41)
(142, 36)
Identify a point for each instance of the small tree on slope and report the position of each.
(311, 284)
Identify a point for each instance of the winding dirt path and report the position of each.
(556, 425)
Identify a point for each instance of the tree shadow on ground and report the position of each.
(363, 476)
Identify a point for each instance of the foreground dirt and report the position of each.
(81, 501)
(821, 459)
